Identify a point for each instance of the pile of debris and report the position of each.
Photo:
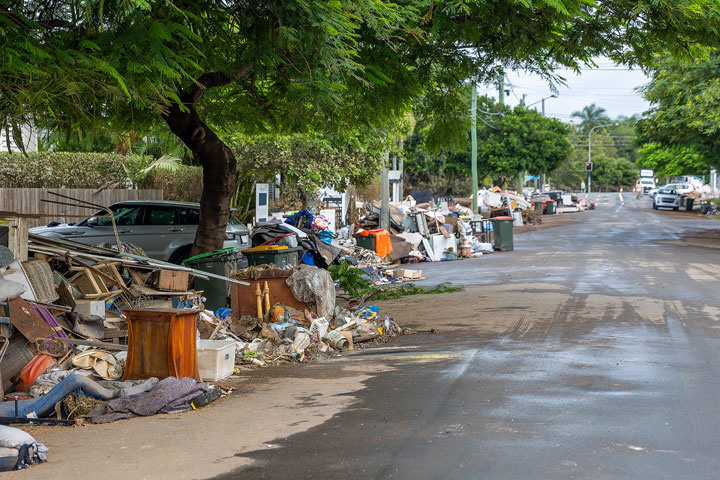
(64, 335)
(311, 328)
(67, 318)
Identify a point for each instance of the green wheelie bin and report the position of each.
(550, 207)
(220, 262)
(503, 233)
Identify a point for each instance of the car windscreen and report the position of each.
(124, 215)
(667, 191)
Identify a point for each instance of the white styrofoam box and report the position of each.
(216, 358)
(319, 326)
(440, 244)
(90, 307)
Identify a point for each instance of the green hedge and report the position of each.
(92, 170)
(60, 170)
(183, 185)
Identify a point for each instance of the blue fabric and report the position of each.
(308, 259)
(301, 219)
(325, 236)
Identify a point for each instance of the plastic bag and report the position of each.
(10, 289)
(19, 449)
(314, 286)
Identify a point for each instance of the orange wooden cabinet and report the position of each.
(162, 343)
(243, 300)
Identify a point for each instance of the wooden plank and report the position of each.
(173, 281)
(18, 238)
(27, 320)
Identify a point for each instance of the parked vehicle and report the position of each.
(651, 193)
(644, 185)
(164, 230)
(682, 188)
(667, 197)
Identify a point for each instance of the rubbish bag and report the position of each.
(19, 449)
(302, 340)
(10, 289)
(314, 286)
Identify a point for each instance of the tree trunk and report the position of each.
(219, 167)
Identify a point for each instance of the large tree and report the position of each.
(210, 66)
(590, 116)
(681, 128)
(520, 141)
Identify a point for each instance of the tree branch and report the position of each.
(213, 79)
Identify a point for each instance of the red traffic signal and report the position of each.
(588, 166)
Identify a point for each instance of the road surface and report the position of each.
(590, 352)
(607, 368)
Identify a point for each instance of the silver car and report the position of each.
(666, 197)
(165, 230)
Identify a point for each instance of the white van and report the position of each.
(644, 185)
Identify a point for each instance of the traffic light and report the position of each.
(588, 166)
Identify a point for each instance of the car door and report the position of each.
(162, 231)
(98, 229)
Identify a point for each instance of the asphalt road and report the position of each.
(607, 368)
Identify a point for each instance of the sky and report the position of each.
(609, 86)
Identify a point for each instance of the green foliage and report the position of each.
(519, 141)
(183, 184)
(684, 115)
(93, 170)
(443, 172)
(610, 173)
(61, 170)
(347, 68)
(590, 116)
(406, 289)
(307, 163)
(672, 161)
(510, 141)
(351, 280)
(610, 168)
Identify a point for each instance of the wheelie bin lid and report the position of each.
(501, 218)
(210, 254)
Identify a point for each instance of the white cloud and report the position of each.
(610, 87)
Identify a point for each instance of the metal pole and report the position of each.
(473, 144)
(501, 89)
(401, 165)
(385, 194)
(590, 147)
(589, 156)
(543, 107)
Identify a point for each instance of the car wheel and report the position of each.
(655, 207)
(182, 253)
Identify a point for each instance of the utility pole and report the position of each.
(501, 89)
(473, 143)
(401, 183)
(590, 148)
(385, 194)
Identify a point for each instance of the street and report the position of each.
(588, 352)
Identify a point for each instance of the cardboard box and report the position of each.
(406, 273)
(90, 307)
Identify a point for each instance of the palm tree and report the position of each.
(590, 116)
